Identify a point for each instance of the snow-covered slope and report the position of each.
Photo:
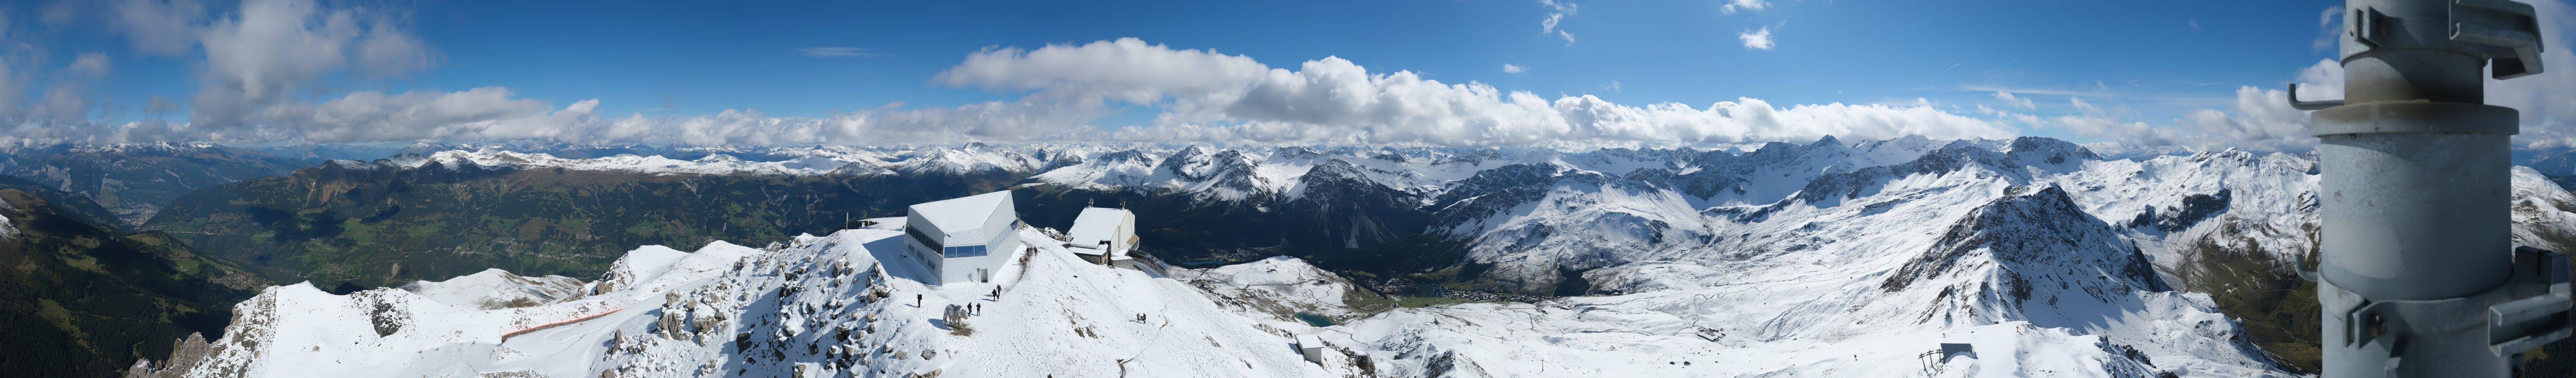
(8, 228)
(495, 288)
(717, 164)
(1820, 259)
(839, 305)
(1279, 286)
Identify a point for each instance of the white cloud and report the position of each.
(837, 52)
(159, 27)
(87, 65)
(2329, 29)
(1759, 39)
(1509, 68)
(1332, 100)
(1557, 11)
(1201, 96)
(2015, 101)
(256, 57)
(2082, 106)
(13, 91)
(1750, 5)
(1126, 69)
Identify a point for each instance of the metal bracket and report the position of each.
(2538, 317)
(2503, 31)
(2309, 105)
(2530, 310)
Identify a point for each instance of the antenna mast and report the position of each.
(2419, 277)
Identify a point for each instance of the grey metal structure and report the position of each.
(2419, 277)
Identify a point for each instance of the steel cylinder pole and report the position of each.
(2416, 253)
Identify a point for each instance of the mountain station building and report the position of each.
(964, 239)
(1103, 236)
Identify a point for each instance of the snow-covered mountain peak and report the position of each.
(493, 157)
(495, 288)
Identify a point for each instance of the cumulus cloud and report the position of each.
(254, 58)
(1125, 69)
(1758, 39)
(1509, 68)
(837, 52)
(1201, 96)
(1216, 97)
(1750, 5)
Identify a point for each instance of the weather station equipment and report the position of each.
(2418, 274)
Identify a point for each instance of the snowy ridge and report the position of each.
(299, 331)
(1280, 286)
(8, 228)
(841, 305)
(711, 165)
(495, 288)
(1821, 259)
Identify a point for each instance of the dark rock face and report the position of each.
(2195, 208)
(1497, 190)
(1344, 205)
(2039, 238)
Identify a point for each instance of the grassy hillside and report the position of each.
(85, 300)
(136, 180)
(350, 227)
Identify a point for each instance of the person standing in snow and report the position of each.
(916, 300)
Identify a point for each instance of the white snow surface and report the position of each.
(1827, 259)
(495, 288)
(718, 164)
(803, 304)
(8, 228)
(1279, 287)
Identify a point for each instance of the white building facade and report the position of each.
(1102, 236)
(964, 239)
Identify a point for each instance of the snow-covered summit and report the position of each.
(848, 304)
(717, 164)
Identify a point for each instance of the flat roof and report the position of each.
(1096, 225)
(962, 212)
(1309, 341)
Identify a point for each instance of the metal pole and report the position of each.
(2419, 277)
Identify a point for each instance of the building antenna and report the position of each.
(2418, 275)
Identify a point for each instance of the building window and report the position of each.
(925, 240)
(964, 251)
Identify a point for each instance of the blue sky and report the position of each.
(2149, 66)
(709, 57)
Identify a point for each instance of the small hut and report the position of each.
(1312, 347)
(1103, 236)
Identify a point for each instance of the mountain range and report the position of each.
(2169, 264)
